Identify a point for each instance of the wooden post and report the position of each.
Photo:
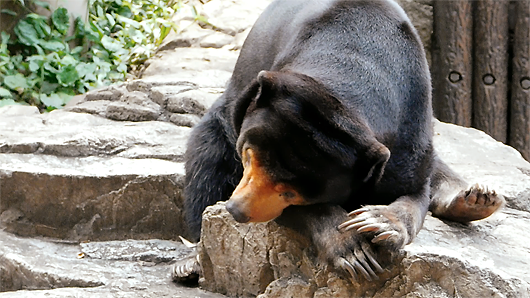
(490, 73)
(452, 62)
(520, 101)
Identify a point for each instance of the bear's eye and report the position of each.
(288, 194)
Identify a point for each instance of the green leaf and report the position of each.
(4, 93)
(69, 60)
(111, 19)
(77, 50)
(52, 100)
(110, 44)
(8, 11)
(84, 69)
(61, 98)
(34, 65)
(50, 68)
(68, 76)
(5, 37)
(131, 22)
(125, 11)
(26, 33)
(48, 87)
(42, 4)
(100, 12)
(61, 20)
(52, 45)
(40, 23)
(14, 82)
(8, 102)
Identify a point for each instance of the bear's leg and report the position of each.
(213, 169)
(452, 199)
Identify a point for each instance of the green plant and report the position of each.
(41, 67)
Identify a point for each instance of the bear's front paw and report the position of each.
(380, 224)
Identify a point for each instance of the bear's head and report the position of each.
(299, 145)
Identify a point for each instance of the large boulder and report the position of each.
(487, 258)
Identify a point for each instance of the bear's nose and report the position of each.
(239, 216)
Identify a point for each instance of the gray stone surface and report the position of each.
(103, 169)
(82, 177)
(488, 258)
(132, 268)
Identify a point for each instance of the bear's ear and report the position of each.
(266, 80)
(259, 92)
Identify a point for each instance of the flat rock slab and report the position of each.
(82, 177)
(133, 268)
(487, 258)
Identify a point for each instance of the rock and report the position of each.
(190, 102)
(233, 16)
(216, 40)
(204, 78)
(265, 259)
(96, 107)
(289, 287)
(110, 93)
(19, 110)
(44, 268)
(184, 120)
(123, 111)
(185, 59)
(82, 177)
(190, 36)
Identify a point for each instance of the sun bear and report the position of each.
(326, 127)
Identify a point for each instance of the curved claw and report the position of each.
(384, 235)
(348, 267)
(349, 223)
(361, 269)
(358, 211)
(362, 259)
(369, 228)
(370, 255)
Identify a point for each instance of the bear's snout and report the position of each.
(236, 213)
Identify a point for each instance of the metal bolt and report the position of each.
(455, 76)
(488, 79)
(525, 83)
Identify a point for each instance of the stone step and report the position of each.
(132, 268)
(82, 177)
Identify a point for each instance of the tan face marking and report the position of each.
(257, 196)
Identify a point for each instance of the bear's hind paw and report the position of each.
(474, 204)
(187, 271)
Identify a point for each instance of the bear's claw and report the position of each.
(362, 263)
(375, 221)
(384, 236)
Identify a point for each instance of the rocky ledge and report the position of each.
(488, 258)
